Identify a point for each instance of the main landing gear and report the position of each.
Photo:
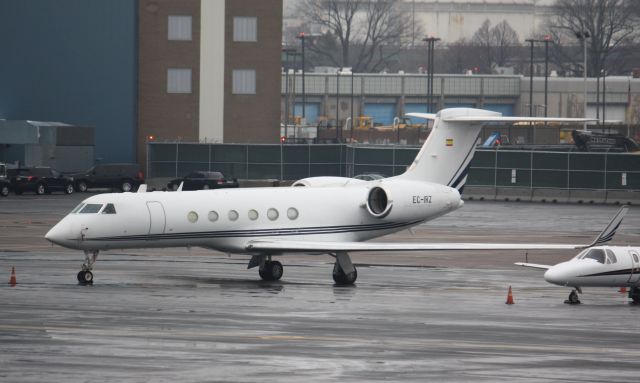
(269, 270)
(344, 272)
(573, 297)
(85, 276)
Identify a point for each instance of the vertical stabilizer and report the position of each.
(445, 156)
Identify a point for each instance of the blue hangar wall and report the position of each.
(72, 61)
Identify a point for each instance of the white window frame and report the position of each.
(245, 29)
(179, 28)
(243, 81)
(179, 80)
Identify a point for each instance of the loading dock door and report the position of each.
(382, 114)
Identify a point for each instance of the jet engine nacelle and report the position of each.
(326, 181)
(409, 199)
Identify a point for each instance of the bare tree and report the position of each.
(497, 45)
(611, 24)
(360, 34)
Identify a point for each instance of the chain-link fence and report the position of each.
(490, 167)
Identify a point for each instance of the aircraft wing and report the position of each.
(284, 245)
(278, 245)
(533, 265)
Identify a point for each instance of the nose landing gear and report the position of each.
(85, 276)
(573, 297)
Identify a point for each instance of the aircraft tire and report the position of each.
(340, 278)
(85, 277)
(272, 271)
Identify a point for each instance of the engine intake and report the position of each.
(378, 202)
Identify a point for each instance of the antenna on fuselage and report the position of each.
(142, 188)
(180, 187)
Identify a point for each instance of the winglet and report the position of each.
(607, 234)
(180, 187)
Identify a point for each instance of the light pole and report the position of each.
(584, 35)
(547, 39)
(338, 105)
(286, 52)
(431, 43)
(304, 100)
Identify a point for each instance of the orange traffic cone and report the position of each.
(623, 290)
(12, 280)
(509, 297)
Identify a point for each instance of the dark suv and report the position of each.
(40, 180)
(126, 177)
(203, 180)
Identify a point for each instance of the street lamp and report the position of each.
(338, 104)
(286, 52)
(431, 42)
(304, 100)
(584, 35)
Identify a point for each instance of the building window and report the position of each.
(179, 28)
(245, 29)
(244, 81)
(178, 80)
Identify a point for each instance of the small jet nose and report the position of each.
(556, 275)
(59, 234)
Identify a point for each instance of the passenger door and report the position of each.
(157, 218)
(635, 266)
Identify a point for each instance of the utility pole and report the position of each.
(304, 99)
(584, 35)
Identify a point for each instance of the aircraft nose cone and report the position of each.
(556, 275)
(59, 234)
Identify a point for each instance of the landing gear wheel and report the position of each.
(85, 277)
(573, 298)
(341, 278)
(271, 271)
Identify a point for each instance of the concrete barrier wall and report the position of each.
(550, 195)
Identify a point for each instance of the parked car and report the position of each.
(5, 186)
(40, 180)
(369, 177)
(203, 180)
(125, 177)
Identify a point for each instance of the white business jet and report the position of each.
(331, 215)
(597, 266)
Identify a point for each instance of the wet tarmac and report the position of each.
(199, 316)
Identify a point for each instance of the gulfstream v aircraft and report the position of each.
(331, 215)
(598, 266)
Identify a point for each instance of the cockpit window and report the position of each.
(109, 209)
(597, 254)
(77, 208)
(611, 257)
(91, 208)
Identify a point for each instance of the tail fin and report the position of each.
(445, 156)
(607, 234)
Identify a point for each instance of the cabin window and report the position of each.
(292, 213)
(109, 209)
(597, 254)
(611, 257)
(635, 257)
(91, 208)
(77, 208)
(192, 217)
(233, 215)
(253, 214)
(213, 216)
(272, 214)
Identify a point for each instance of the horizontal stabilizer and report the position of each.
(517, 119)
(533, 265)
(428, 116)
